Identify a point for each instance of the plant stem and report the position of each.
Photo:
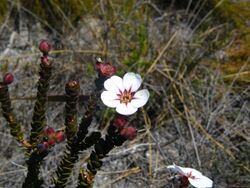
(15, 128)
(38, 119)
(32, 180)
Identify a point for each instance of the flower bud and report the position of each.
(72, 84)
(46, 61)
(51, 142)
(44, 46)
(120, 122)
(41, 147)
(49, 131)
(129, 133)
(59, 136)
(8, 78)
(105, 69)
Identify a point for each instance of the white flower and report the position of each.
(122, 94)
(194, 177)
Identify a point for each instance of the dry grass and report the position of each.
(194, 118)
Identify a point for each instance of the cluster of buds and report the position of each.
(118, 133)
(49, 138)
(104, 69)
(45, 48)
(122, 125)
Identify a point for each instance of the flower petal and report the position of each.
(114, 84)
(140, 98)
(172, 168)
(132, 81)
(110, 99)
(126, 109)
(201, 182)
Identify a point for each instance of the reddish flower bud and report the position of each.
(72, 84)
(129, 133)
(44, 46)
(8, 78)
(42, 146)
(51, 142)
(49, 131)
(46, 61)
(59, 136)
(120, 122)
(105, 69)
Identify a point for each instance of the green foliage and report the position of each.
(137, 34)
(238, 12)
(139, 48)
(57, 14)
(90, 69)
(3, 10)
(237, 65)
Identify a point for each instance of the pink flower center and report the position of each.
(184, 179)
(189, 175)
(126, 97)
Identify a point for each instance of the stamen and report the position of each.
(189, 175)
(126, 96)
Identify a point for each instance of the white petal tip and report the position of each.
(126, 109)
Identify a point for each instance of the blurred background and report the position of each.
(193, 55)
